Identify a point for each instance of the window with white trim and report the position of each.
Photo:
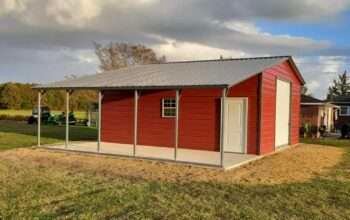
(344, 110)
(168, 108)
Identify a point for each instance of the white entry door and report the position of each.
(234, 135)
(282, 113)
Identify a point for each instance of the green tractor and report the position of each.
(61, 119)
(45, 115)
(50, 119)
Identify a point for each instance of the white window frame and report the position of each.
(167, 107)
(347, 110)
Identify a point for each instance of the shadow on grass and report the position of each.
(76, 133)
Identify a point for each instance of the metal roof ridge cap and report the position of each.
(228, 59)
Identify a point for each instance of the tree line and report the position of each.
(23, 96)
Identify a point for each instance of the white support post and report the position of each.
(136, 98)
(39, 118)
(99, 120)
(67, 119)
(222, 118)
(176, 124)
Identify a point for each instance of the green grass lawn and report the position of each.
(19, 134)
(36, 189)
(337, 142)
(28, 112)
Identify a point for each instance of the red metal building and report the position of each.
(248, 106)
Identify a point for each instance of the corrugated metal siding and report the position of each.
(118, 117)
(250, 89)
(199, 121)
(153, 129)
(199, 124)
(267, 134)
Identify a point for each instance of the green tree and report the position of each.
(10, 96)
(340, 86)
(22, 96)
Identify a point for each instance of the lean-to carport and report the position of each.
(147, 152)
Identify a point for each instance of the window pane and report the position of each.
(169, 112)
(173, 103)
(169, 103)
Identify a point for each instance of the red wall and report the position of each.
(199, 119)
(267, 135)
(118, 117)
(153, 129)
(250, 88)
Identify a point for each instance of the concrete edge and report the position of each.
(278, 150)
(163, 160)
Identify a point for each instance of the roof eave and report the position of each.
(296, 69)
(319, 104)
(127, 87)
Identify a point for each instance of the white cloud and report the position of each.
(313, 86)
(12, 6)
(252, 37)
(87, 56)
(245, 27)
(76, 13)
(122, 19)
(319, 71)
(192, 51)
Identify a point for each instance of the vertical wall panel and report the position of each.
(267, 135)
(153, 129)
(250, 89)
(199, 121)
(118, 117)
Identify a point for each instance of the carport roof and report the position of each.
(210, 73)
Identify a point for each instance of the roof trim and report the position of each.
(296, 69)
(313, 103)
(339, 102)
(227, 59)
(319, 104)
(131, 87)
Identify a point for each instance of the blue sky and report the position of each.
(334, 29)
(43, 41)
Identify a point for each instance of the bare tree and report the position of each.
(119, 55)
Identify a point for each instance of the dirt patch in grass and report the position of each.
(297, 164)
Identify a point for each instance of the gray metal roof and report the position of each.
(171, 75)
